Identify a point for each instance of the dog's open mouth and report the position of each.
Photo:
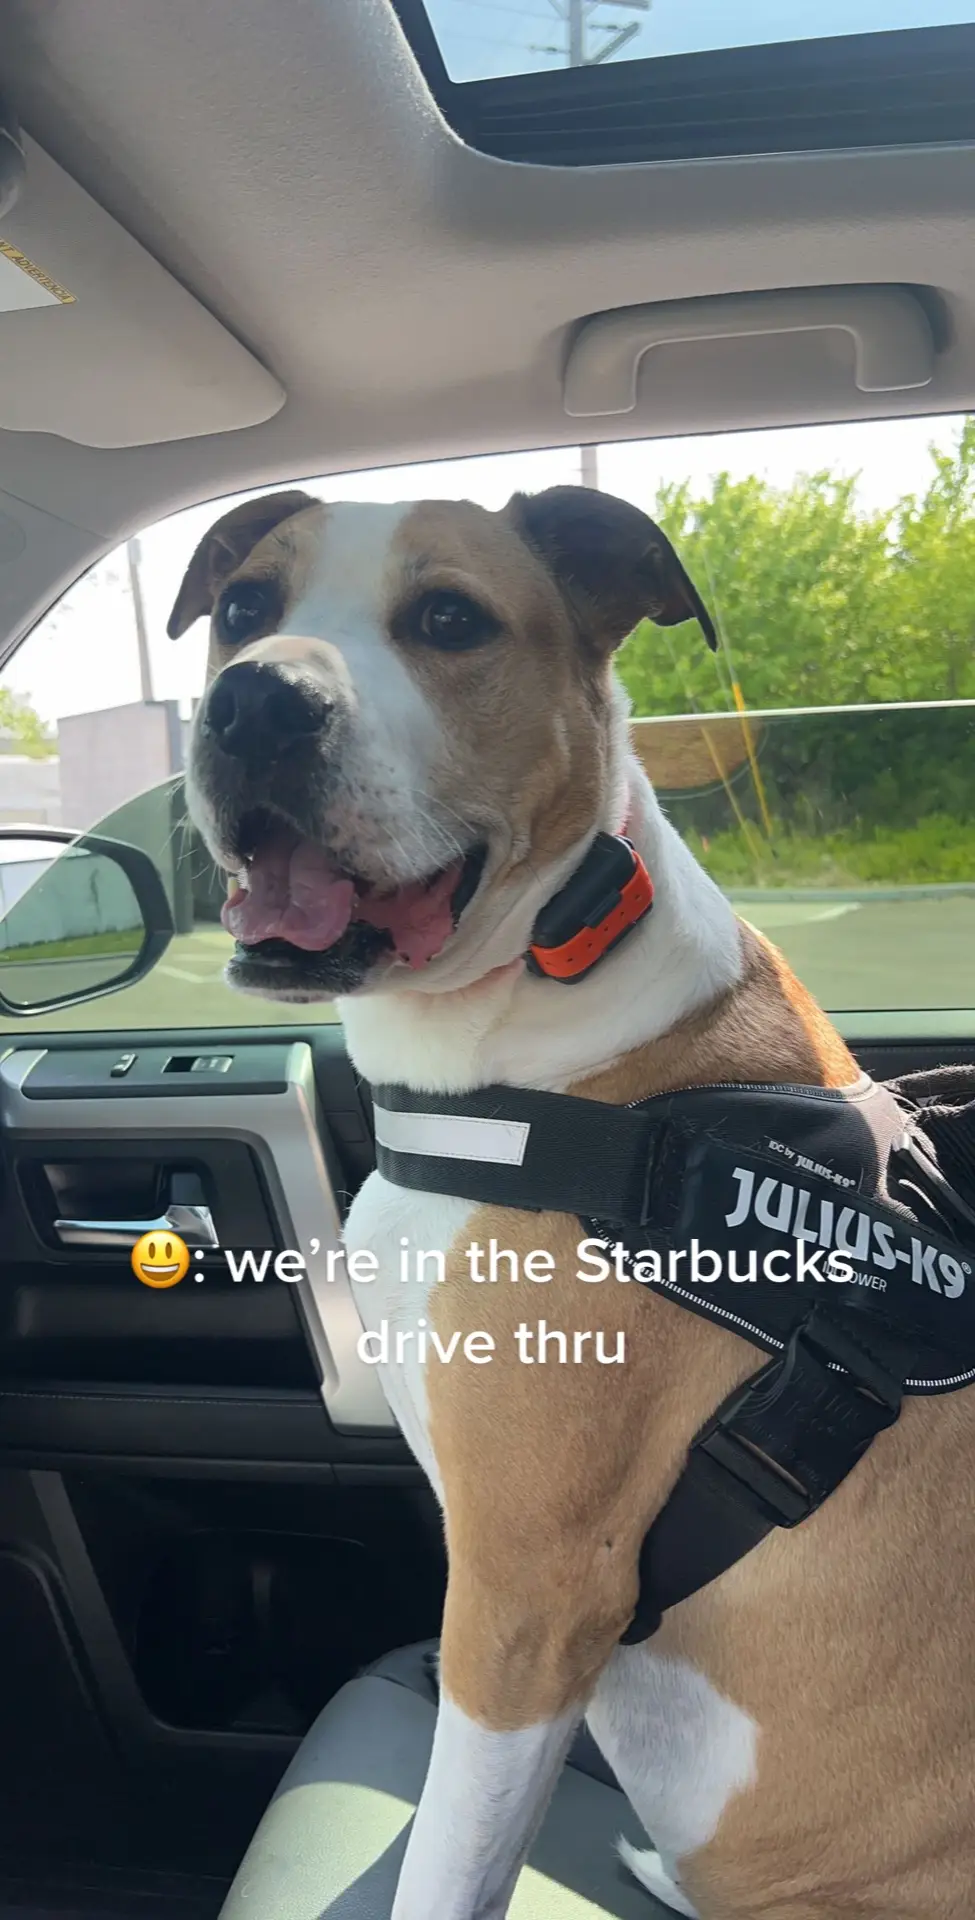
(291, 891)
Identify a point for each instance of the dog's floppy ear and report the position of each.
(222, 550)
(611, 561)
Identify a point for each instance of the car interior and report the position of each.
(279, 242)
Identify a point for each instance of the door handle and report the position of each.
(192, 1224)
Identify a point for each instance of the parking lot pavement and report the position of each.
(861, 952)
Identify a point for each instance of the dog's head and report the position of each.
(411, 729)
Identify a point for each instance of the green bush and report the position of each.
(938, 851)
(819, 604)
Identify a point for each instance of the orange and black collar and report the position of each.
(607, 896)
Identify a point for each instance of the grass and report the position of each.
(938, 851)
(873, 953)
(84, 946)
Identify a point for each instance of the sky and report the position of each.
(483, 38)
(83, 656)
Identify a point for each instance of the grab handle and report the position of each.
(892, 340)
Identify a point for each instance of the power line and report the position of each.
(577, 17)
(500, 44)
(505, 40)
(504, 6)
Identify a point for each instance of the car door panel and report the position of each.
(216, 1364)
(208, 1528)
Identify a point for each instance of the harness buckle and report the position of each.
(771, 1455)
(794, 1431)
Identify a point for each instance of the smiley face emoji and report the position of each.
(160, 1258)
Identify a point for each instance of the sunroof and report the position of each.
(573, 83)
(494, 39)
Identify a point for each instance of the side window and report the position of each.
(824, 769)
(95, 709)
(821, 764)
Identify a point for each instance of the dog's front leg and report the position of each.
(545, 1495)
(485, 1793)
(517, 1665)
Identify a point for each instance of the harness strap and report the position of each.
(770, 1455)
(540, 1146)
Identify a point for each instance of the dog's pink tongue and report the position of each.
(292, 894)
(418, 918)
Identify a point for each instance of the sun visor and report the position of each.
(98, 343)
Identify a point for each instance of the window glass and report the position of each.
(821, 764)
(487, 39)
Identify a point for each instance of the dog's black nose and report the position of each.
(257, 712)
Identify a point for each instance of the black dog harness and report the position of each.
(834, 1230)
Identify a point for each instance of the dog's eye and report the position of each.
(452, 621)
(245, 609)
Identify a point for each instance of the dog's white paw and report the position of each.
(649, 1869)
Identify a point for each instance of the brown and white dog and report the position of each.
(411, 735)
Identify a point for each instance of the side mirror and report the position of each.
(79, 917)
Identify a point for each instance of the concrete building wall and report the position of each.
(110, 756)
(30, 791)
(72, 897)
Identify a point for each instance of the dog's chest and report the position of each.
(680, 1751)
(408, 1234)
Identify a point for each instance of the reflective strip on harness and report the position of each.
(444, 1136)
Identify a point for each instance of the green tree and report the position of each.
(30, 735)
(819, 602)
(931, 582)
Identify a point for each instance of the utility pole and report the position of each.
(589, 466)
(133, 555)
(577, 16)
(576, 24)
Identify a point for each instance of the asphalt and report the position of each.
(854, 953)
